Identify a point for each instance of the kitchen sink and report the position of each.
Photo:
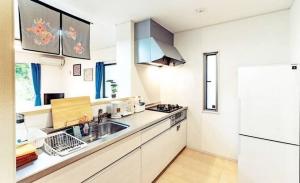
(102, 130)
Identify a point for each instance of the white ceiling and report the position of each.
(175, 15)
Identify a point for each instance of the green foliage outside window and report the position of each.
(24, 86)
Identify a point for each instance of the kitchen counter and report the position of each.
(46, 164)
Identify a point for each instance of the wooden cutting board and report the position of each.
(67, 112)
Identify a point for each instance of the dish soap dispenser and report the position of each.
(21, 130)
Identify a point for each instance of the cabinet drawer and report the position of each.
(92, 164)
(155, 130)
(125, 170)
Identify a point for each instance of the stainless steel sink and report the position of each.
(102, 130)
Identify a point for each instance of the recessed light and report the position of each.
(199, 10)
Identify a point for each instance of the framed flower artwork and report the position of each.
(39, 27)
(77, 70)
(75, 37)
(88, 74)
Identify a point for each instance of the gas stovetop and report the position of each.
(167, 108)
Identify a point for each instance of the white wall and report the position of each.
(51, 80)
(295, 31)
(253, 41)
(124, 57)
(104, 54)
(55, 79)
(134, 80)
(51, 76)
(147, 83)
(75, 85)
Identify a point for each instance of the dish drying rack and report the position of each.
(62, 143)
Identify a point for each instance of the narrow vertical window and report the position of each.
(211, 81)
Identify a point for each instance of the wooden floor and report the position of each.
(194, 167)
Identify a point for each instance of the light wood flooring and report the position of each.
(195, 167)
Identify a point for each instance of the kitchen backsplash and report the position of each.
(44, 120)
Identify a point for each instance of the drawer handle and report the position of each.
(178, 127)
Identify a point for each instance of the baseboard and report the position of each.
(212, 154)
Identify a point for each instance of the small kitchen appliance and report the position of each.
(128, 108)
(166, 108)
(116, 108)
(139, 105)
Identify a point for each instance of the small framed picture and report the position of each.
(77, 70)
(88, 74)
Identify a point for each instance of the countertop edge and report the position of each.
(87, 152)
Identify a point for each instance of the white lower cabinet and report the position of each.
(178, 138)
(155, 156)
(125, 170)
(159, 152)
(119, 162)
(92, 164)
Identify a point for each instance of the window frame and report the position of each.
(33, 96)
(205, 81)
(104, 79)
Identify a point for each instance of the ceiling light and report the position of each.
(199, 10)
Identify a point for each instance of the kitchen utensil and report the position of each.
(62, 144)
(36, 137)
(25, 149)
(21, 130)
(25, 159)
(67, 112)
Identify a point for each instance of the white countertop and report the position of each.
(46, 164)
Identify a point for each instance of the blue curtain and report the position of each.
(36, 77)
(99, 77)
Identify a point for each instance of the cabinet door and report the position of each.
(160, 151)
(155, 156)
(178, 138)
(126, 170)
(90, 165)
(262, 161)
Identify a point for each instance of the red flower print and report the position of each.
(72, 33)
(42, 36)
(78, 48)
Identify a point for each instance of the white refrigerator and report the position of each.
(269, 124)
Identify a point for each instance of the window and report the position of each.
(24, 86)
(110, 73)
(211, 81)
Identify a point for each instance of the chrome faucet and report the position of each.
(101, 116)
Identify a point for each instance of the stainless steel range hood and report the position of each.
(154, 45)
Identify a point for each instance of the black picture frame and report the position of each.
(77, 70)
(75, 37)
(33, 15)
